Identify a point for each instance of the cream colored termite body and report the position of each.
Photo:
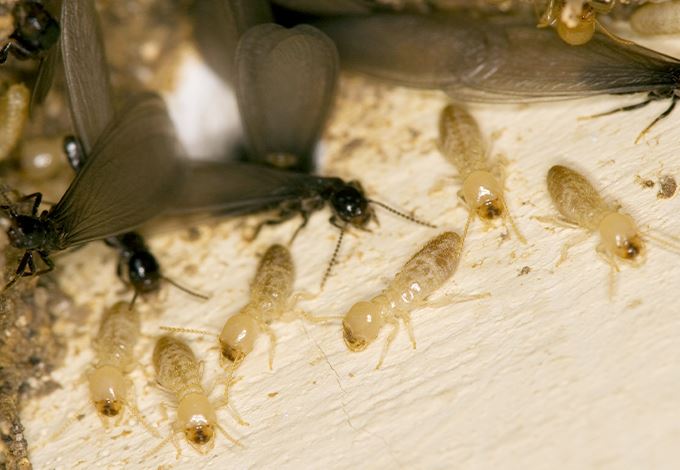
(657, 18)
(461, 142)
(271, 299)
(581, 205)
(14, 103)
(179, 372)
(575, 21)
(114, 348)
(423, 274)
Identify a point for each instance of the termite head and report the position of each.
(27, 232)
(483, 193)
(144, 272)
(349, 204)
(36, 30)
(108, 389)
(621, 237)
(238, 337)
(196, 419)
(361, 325)
(582, 31)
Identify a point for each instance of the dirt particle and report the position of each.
(524, 271)
(668, 187)
(644, 182)
(272, 394)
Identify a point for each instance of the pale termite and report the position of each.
(422, 275)
(657, 18)
(14, 102)
(461, 143)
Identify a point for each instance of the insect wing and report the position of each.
(239, 188)
(424, 51)
(285, 85)
(523, 63)
(130, 176)
(86, 71)
(218, 25)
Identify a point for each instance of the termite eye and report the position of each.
(351, 206)
(200, 434)
(109, 408)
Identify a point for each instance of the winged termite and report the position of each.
(499, 59)
(91, 102)
(127, 180)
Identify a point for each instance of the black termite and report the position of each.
(282, 117)
(35, 31)
(500, 59)
(91, 103)
(127, 180)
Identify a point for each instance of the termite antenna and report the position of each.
(4, 189)
(333, 258)
(178, 329)
(186, 289)
(401, 214)
(228, 436)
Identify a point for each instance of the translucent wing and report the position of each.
(494, 59)
(45, 77)
(523, 62)
(131, 175)
(285, 85)
(218, 25)
(238, 188)
(86, 71)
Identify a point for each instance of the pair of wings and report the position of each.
(133, 164)
(494, 59)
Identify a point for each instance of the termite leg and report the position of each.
(630, 107)
(272, 342)
(284, 216)
(661, 116)
(388, 342)
(134, 410)
(37, 197)
(449, 299)
(557, 221)
(614, 268)
(305, 220)
(406, 318)
(569, 244)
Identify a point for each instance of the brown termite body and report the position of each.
(179, 372)
(461, 143)
(14, 103)
(423, 274)
(581, 205)
(271, 299)
(657, 18)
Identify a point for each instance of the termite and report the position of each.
(657, 18)
(14, 103)
(271, 299)
(111, 390)
(179, 372)
(461, 143)
(36, 31)
(581, 206)
(421, 276)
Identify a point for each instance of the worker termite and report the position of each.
(271, 299)
(13, 114)
(35, 31)
(423, 274)
(111, 390)
(178, 372)
(460, 141)
(582, 207)
(657, 18)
